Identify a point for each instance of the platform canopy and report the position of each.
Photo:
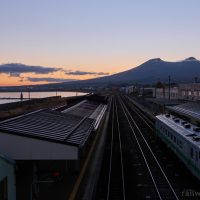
(45, 135)
(190, 110)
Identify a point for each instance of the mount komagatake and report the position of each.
(150, 72)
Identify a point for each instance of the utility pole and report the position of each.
(169, 86)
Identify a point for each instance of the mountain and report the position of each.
(157, 69)
(150, 72)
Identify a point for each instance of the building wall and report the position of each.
(189, 91)
(127, 89)
(25, 148)
(147, 92)
(163, 93)
(7, 170)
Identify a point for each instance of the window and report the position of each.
(180, 144)
(3, 189)
(174, 139)
(191, 152)
(196, 156)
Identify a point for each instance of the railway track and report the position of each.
(149, 123)
(179, 176)
(130, 169)
(159, 180)
(112, 184)
(116, 187)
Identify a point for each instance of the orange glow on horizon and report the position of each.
(6, 80)
(105, 65)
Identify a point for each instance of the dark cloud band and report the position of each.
(14, 69)
(80, 73)
(52, 80)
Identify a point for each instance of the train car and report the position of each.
(183, 138)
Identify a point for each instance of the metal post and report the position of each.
(169, 86)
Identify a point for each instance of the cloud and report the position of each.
(52, 80)
(80, 73)
(15, 69)
(14, 74)
(102, 73)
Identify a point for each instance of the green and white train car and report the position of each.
(183, 138)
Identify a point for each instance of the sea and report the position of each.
(4, 96)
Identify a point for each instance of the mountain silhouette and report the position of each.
(152, 71)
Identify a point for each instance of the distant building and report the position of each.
(163, 93)
(190, 91)
(186, 91)
(127, 89)
(47, 145)
(7, 178)
(147, 92)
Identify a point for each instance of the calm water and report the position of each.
(34, 95)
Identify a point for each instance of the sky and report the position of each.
(92, 38)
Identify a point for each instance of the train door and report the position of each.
(194, 155)
(197, 159)
(191, 153)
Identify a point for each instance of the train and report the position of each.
(183, 138)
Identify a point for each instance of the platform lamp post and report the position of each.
(21, 96)
(29, 92)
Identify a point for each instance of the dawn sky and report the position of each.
(87, 38)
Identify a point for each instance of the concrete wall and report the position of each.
(7, 170)
(24, 148)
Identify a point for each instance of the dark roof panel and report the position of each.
(191, 109)
(51, 125)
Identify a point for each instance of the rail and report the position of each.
(160, 181)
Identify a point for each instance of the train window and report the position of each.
(174, 139)
(191, 152)
(180, 144)
(196, 156)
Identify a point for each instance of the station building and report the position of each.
(47, 142)
(163, 93)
